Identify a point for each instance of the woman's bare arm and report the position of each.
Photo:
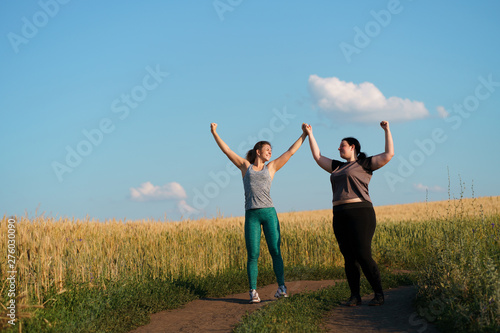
(380, 160)
(278, 163)
(237, 160)
(324, 162)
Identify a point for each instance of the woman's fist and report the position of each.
(384, 124)
(213, 126)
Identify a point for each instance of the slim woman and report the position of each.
(353, 214)
(259, 208)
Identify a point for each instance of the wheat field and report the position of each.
(420, 211)
(52, 252)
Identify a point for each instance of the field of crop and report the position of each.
(457, 241)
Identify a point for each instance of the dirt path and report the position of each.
(396, 315)
(222, 314)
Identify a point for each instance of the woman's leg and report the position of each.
(364, 228)
(345, 238)
(252, 241)
(354, 229)
(271, 227)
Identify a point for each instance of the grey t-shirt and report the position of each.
(350, 179)
(257, 186)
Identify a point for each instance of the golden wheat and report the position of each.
(420, 211)
(51, 252)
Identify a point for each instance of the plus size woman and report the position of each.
(354, 218)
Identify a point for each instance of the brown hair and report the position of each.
(252, 153)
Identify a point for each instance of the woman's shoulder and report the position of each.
(366, 163)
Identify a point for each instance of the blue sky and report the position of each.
(106, 106)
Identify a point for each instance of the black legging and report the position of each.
(354, 226)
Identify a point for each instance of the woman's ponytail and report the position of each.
(251, 155)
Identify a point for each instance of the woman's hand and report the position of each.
(307, 128)
(213, 127)
(384, 124)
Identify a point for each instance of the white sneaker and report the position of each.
(281, 292)
(254, 296)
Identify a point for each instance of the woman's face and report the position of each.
(265, 152)
(346, 151)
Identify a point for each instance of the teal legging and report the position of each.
(268, 218)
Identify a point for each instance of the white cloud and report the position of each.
(442, 112)
(150, 192)
(172, 191)
(362, 102)
(423, 188)
(185, 209)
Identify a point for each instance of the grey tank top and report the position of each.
(257, 186)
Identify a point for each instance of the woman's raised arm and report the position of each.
(380, 160)
(324, 162)
(237, 160)
(278, 163)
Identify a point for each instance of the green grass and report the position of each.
(125, 305)
(460, 287)
(304, 312)
(119, 308)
